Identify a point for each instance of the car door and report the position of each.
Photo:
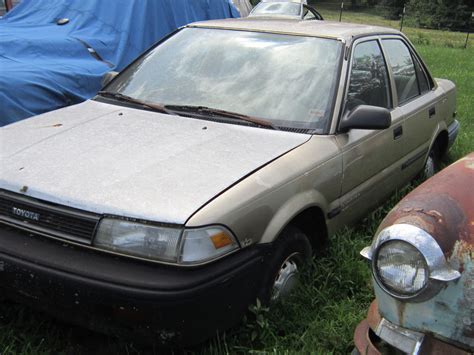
(371, 158)
(420, 104)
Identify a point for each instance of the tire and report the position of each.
(289, 252)
(432, 163)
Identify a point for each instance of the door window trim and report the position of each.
(350, 59)
(415, 57)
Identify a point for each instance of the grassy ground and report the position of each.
(321, 316)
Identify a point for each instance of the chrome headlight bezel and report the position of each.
(439, 270)
(105, 237)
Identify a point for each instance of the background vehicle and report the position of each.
(423, 273)
(299, 10)
(54, 53)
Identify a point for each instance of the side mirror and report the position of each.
(108, 77)
(366, 117)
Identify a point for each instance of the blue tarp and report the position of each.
(45, 66)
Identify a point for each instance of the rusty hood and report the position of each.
(443, 206)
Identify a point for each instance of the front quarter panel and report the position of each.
(257, 208)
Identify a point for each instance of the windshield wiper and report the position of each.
(125, 98)
(207, 111)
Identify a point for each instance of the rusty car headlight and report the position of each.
(169, 244)
(408, 263)
(401, 268)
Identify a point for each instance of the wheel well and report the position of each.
(441, 144)
(312, 223)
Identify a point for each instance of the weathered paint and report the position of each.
(448, 315)
(443, 207)
(122, 161)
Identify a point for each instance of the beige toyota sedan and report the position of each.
(202, 175)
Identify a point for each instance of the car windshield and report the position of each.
(288, 80)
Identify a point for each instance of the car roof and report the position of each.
(327, 29)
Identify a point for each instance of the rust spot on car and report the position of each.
(443, 206)
(401, 312)
(462, 249)
(470, 164)
(373, 315)
(435, 214)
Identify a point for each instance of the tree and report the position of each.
(392, 8)
(441, 14)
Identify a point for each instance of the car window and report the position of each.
(288, 80)
(369, 83)
(290, 9)
(403, 69)
(422, 79)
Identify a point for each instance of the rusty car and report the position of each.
(203, 174)
(423, 270)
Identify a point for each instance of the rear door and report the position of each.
(416, 97)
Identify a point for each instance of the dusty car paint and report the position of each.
(145, 154)
(444, 207)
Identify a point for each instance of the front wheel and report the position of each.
(290, 251)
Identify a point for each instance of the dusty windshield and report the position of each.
(287, 80)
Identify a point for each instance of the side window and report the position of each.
(369, 84)
(403, 68)
(422, 79)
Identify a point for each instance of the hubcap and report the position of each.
(429, 167)
(286, 278)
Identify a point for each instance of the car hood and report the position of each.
(114, 160)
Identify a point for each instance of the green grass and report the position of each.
(336, 291)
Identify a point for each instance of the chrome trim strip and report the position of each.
(401, 338)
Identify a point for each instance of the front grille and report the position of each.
(47, 218)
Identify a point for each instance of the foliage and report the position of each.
(392, 9)
(441, 14)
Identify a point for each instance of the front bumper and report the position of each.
(376, 335)
(124, 297)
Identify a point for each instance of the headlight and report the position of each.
(408, 263)
(401, 268)
(166, 244)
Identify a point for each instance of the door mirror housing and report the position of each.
(108, 77)
(366, 117)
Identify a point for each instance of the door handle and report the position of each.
(398, 132)
(432, 112)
